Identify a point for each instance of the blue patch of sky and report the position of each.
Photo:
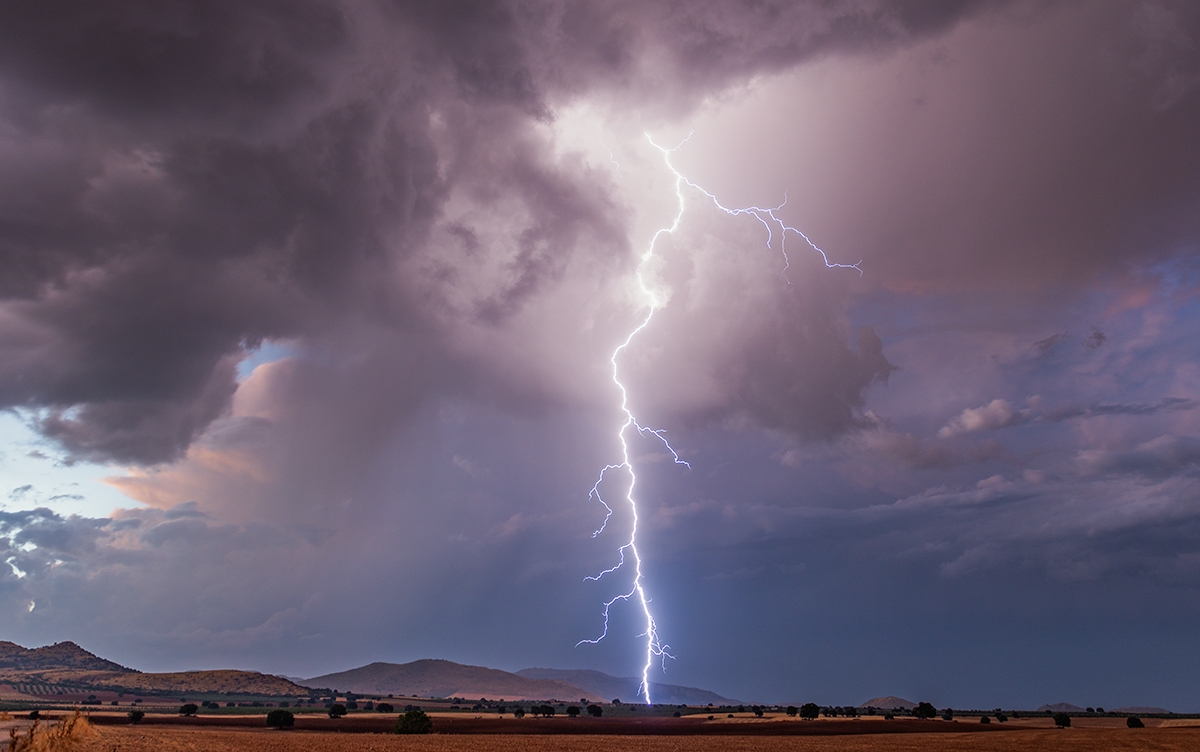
(267, 352)
(34, 473)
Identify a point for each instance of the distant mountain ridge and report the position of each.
(441, 678)
(1143, 710)
(890, 702)
(1061, 707)
(626, 689)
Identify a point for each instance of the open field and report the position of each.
(198, 739)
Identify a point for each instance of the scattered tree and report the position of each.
(808, 711)
(280, 719)
(573, 711)
(518, 712)
(414, 722)
(595, 711)
(677, 714)
(135, 716)
(1001, 717)
(1090, 710)
(189, 709)
(985, 719)
(791, 711)
(616, 701)
(385, 707)
(1062, 720)
(1134, 722)
(1099, 709)
(948, 714)
(889, 716)
(34, 715)
(336, 710)
(924, 710)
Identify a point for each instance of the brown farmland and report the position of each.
(468, 734)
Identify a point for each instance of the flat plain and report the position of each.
(661, 735)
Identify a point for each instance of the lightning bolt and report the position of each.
(655, 647)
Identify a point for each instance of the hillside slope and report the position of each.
(438, 678)
(626, 689)
(60, 655)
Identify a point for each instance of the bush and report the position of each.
(1001, 717)
(677, 714)
(518, 712)
(1062, 720)
(889, 716)
(385, 707)
(189, 709)
(1134, 722)
(135, 715)
(414, 722)
(985, 719)
(280, 719)
(336, 710)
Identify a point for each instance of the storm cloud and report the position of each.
(332, 288)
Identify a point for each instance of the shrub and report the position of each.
(385, 707)
(135, 715)
(336, 710)
(189, 709)
(518, 712)
(677, 714)
(1062, 720)
(889, 716)
(1134, 722)
(711, 716)
(280, 719)
(985, 719)
(1001, 717)
(414, 722)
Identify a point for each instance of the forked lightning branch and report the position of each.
(627, 554)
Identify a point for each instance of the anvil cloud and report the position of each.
(331, 287)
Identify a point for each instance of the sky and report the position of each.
(307, 311)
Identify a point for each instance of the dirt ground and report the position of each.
(201, 739)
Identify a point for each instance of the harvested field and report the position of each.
(201, 739)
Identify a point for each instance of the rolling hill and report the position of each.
(65, 664)
(438, 678)
(889, 703)
(612, 687)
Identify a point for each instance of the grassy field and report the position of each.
(191, 739)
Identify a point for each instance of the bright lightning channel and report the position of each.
(655, 647)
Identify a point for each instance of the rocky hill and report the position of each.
(1060, 707)
(626, 689)
(60, 655)
(438, 678)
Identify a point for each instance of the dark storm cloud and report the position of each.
(182, 180)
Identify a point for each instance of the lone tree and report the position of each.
(414, 722)
(1134, 722)
(924, 710)
(573, 711)
(189, 709)
(280, 719)
(336, 710)
(1062, 720)
(135, 715)
(810, 711)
